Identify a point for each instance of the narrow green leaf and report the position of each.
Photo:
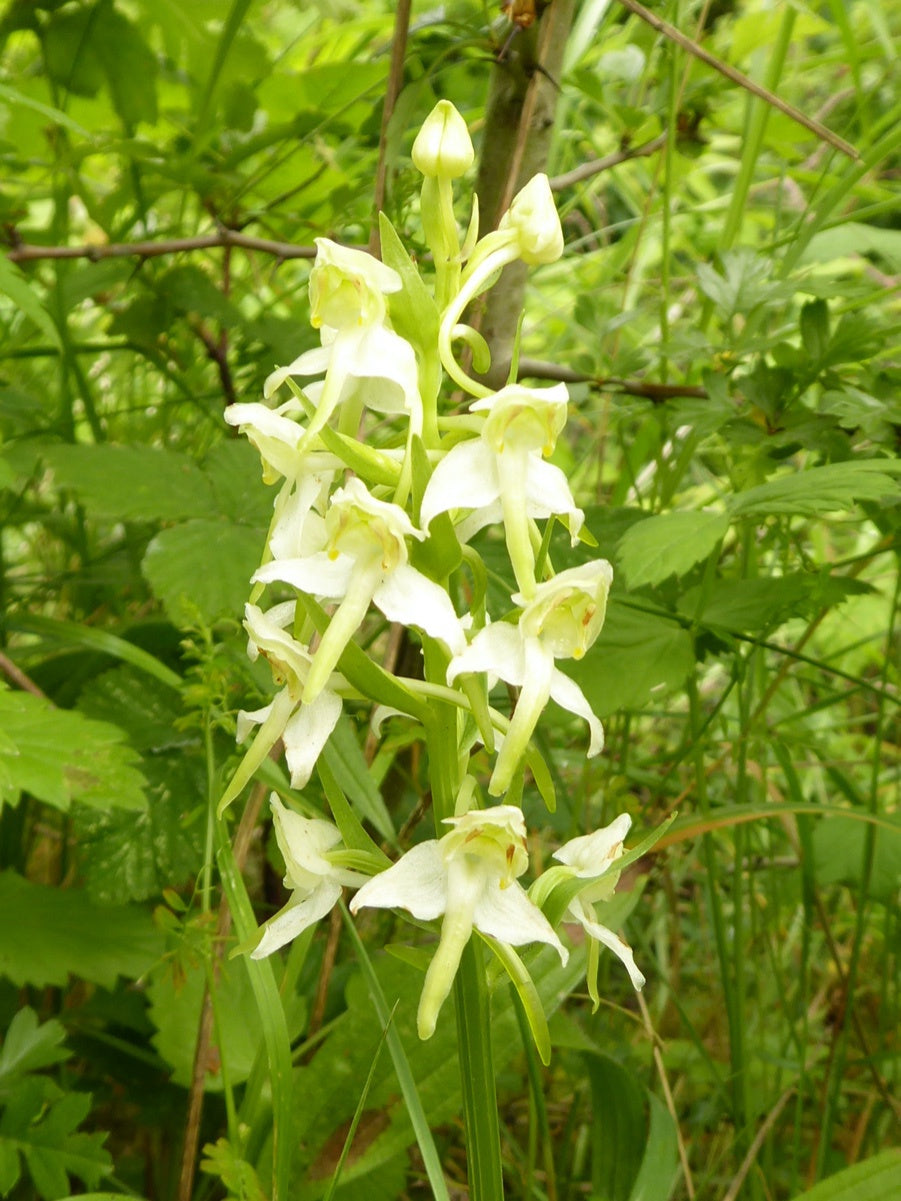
(428, 1150)
(14, 285)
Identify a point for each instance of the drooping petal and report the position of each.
(306, 734)
(410, 598)
(318, 574)
(249, 718)
(508, 915)
(580, 913)
(569, 695)
(466, 478)
(311, 362)
(296, 917)
(417, 883)
(498, 649)
(548, 491)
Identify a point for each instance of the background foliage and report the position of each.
(727, 311)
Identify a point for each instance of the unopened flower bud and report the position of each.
(533, 217)
(443, 146)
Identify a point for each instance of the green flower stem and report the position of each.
(470, 993)
(483, 1138)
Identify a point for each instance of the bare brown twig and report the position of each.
(596, 166)
(26, 252)
(395, 79)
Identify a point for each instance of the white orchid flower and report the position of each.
(277, 434)
(365, 562)
(561, 621)
(594, 855)
(361, 357)
(470, 878)
(530, 230)
(314, 881)
(502, 472)
(303, 728)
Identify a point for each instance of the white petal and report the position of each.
(466, 478)
(316, 574)
(307, 733)
(248, 718)
(591, 854)
(569, 695)
(295, 918)
(508, 915)
(497, 649)
(547, 491)
(417, 883)
(610, 940)
(311, 362)
(410, 598)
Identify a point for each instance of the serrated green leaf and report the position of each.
(821, 489)
(875, 1179)
(29, 1046)
(133, 857)
(128, 63)
(762, 604)
(238, 1176)
(44, 1132)
(59, 756)
(60, 932)
(147, 710)
(203, 568)
(133, 483)
(670, 544)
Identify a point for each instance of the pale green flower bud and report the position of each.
(534, 219)
(443, 146)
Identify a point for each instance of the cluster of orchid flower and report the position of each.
(357, 527)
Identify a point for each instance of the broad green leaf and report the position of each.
(875, 1179)
(328, 1087)
(203, 568)
(853, 238)
(636, 654)
(764, 603)
(133, 857)
(191, 290)
(28, 1047)
(16, 97)
(133, 483)
(176, 992)
(69, 58)
(233, 469)
(14, 285)
(59, 756)
(128, 63)
(618, 1127)
(60, 933)
(41, 1126)
(821, 489)
(670, 544)
(147, 710)
(659, 1172)
(839, 846)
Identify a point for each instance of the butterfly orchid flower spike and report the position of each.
(383, 487)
